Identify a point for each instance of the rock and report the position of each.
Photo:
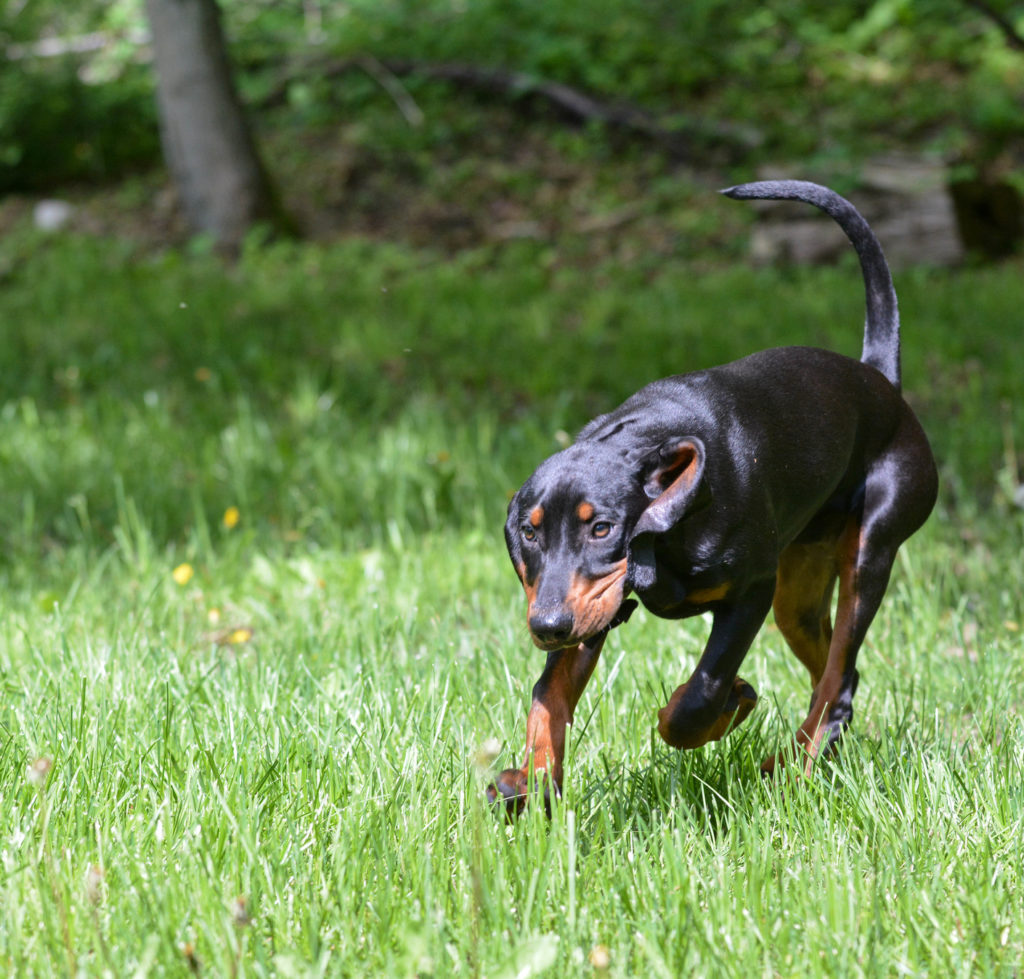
(906, 201)
(51, 215)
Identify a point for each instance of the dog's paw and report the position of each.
(513, 789)
(807, 750)
(795, 761)
(510, 790)
(686, 720)
(742, 699)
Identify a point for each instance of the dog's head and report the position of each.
(582, 531)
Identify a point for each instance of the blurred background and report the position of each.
(454, 122)
(238, 236)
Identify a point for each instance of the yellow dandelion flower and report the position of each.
(600, 958)
(182, 574)
(231, 517)
(238, 636)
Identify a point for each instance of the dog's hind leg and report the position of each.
(864, 568)
(807, 576)
(803, 600)
(807, 573)
(899, 493)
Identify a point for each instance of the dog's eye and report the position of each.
(601, 529)
(529, 533)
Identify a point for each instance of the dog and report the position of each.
(756, 485)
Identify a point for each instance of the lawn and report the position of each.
(260, 640)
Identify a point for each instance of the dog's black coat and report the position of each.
(765, 480)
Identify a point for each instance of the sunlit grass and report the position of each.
(259, 634)
(311, 748)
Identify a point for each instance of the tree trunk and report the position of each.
(207, 143)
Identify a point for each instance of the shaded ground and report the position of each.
(490, 182)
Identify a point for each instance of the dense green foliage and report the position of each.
(65, 130)
(808, 81)
(276, 765)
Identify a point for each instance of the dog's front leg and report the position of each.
(555, 697)
(714, 700)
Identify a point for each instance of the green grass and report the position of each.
(368, 410)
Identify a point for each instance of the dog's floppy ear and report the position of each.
(674, 482)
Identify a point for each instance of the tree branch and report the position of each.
(1010, 34)
(576, 104)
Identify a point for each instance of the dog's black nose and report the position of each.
(551, 624)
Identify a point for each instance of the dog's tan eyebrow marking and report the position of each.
(536, 516)
(585, 511)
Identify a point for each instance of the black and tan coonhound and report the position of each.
(755, 485)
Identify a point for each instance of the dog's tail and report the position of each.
(882, 324)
